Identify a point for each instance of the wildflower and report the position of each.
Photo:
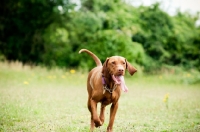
(63, 76)
(165, 99)
(188, 75)
(49, 77)
(26, 83)
(52, 77)
(72, 71)
(160, 77)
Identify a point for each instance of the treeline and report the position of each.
(51, 32)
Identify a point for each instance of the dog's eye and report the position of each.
(113, 62)
(124, 63)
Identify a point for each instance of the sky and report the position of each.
(171, 6)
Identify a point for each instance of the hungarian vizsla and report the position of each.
(104, 86)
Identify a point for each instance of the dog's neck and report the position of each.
(107, 80)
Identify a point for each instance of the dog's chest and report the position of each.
(109, 98)
(106, 100)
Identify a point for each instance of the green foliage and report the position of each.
(156, 28)
(56, 46)
(52, 33)
(22, 25)
(114, 42)
(169, 40)
(187, 44)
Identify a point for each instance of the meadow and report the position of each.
(37, 99)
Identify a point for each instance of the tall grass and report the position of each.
(42, 100)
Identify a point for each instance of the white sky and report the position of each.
(171, 6)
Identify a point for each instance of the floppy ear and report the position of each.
(104, 69)
(130, 68)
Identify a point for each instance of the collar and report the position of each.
(105, 87)
(103, 80)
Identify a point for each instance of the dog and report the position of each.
(104, 85)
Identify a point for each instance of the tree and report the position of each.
(22, 25)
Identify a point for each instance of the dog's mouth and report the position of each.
(117, 79)
(120, 80)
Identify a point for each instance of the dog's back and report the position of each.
(95, 74)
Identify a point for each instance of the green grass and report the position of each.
(34, 99)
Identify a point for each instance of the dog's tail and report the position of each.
(96, 59)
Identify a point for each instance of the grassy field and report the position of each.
(34, 99)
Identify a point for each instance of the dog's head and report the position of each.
(116, 65)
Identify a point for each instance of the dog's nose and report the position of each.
(120, 70)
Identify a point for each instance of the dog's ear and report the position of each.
(130, 68)
(104, 69)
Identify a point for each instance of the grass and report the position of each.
(34, 99)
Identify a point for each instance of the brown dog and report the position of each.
(104, 85)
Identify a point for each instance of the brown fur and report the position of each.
(115, 65)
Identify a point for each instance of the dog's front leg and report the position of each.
(102, 113)
(94, 113)
(113, 111)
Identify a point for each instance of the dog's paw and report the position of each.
(98, 123)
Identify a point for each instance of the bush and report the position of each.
(52, 33)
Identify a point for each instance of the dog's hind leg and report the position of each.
(92, 125)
